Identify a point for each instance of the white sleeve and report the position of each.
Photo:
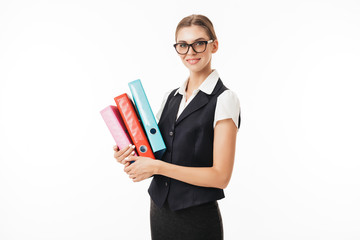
(158, 115)
(227, 106)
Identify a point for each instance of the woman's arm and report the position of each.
(217, 176)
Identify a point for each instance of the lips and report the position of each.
(193, 60)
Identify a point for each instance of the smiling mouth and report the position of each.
(193, 60)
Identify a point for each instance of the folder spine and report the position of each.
(132, 123)
(147, 118)
(116, 126)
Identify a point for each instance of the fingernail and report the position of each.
(126, 158)
(132, 153)
(133, 146)
(130, 145)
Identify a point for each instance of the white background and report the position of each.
(293, 64)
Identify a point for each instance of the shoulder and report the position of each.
(229, 98)
(228, 106)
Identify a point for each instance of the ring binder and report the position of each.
(147, 118)
(116, 126)
(132, 123)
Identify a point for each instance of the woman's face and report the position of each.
(196, 62)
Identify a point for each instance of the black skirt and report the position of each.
(194, 223)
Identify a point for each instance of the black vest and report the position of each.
(189, 141)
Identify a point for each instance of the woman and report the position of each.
(199, 122)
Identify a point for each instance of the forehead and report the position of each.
(190, 34)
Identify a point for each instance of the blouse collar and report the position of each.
(207, 86)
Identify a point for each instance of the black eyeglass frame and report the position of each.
(191, 45)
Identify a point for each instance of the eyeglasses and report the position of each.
(198, 47)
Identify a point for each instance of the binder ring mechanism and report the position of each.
(152, 131)
(143, 149)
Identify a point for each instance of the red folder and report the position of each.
(133, 125)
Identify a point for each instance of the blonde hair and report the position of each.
(198, 20)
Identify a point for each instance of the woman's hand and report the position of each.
(142, 167)
(121, 154)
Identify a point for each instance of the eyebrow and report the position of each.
(198, 39)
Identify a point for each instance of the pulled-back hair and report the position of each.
(198, 20)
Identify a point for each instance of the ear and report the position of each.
(215, 46)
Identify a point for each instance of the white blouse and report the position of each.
(227, 105)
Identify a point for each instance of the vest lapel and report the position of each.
(199, 101)
(173, 105)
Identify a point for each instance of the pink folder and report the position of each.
(114, 122)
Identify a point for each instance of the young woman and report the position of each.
(199, 123)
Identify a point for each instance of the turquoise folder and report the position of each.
(147, 118)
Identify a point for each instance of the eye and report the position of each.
(201, 43)
(183, 45)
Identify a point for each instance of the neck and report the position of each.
(197, 78)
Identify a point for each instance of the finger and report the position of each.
(132, 153)
(137, 179)
(133, 178)
(129, 155)
(130, 158)
(121, 151)
(125, 151)
(115, 148)
(128, 169)
(129, 151)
